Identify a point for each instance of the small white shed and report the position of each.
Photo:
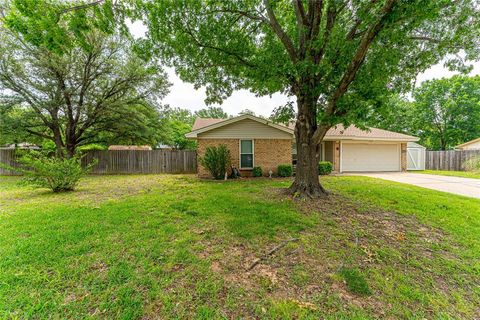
(415, 156)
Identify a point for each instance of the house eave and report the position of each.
(353, 138)
(467, 143)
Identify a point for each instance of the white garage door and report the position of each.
(370, 157)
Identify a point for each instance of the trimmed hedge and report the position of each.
(285, 170)
(325, 168)
(257, 172)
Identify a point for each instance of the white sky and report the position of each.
(183, 95)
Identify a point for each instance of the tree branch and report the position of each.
(423, 38)
(302, 25)
(300, 12)
(356, 62)
(242, 13)
(43, 135)
(315, 9)
(82, 6)
(286, 41)
(202, 45)
(331, 16)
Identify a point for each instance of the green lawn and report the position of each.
(464, 174)
(165, 247)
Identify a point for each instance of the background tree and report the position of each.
(211, 112)
(13, 120)
(178, 122)
(134, 125)
(334, 56)
(447, 111)
(89, 85)
(395, 113)
(247, 111)
(284, 114)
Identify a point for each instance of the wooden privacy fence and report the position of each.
(452, 160)
(128, 161)
(8, 156)
(142, 161)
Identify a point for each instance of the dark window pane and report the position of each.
(246, 146)
(246, 161)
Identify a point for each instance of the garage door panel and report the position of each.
(358, 157)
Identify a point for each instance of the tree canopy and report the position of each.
(447, 111)
(13, 120)
(78, 85)
(178, 122)
(338, 58)
(442, 112)
(211, 112)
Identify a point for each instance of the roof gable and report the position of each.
(205, 122)
(204, 125)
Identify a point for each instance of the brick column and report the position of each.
(403, 156)
(336, 156)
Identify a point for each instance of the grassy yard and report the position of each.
(464, 174)
(162, 246)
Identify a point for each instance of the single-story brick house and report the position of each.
(470, 145)
(257, 142)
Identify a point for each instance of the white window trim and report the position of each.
(240, 154)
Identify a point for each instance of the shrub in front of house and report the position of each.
(285, 170)
(325, 168)
(257, 172)
(217, 160)
(58, 174)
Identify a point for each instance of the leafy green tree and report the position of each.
(133, 125)
(178, 122)
(447, 111)
(14, 120)
(59, 26)
(284, 114)
(395, 113)
(212, 112)
(247, 111)
(81, 83)
(333, 56)
(177, 131)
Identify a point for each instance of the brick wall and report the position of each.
(403, 156)
(336, 156)
(268, 153)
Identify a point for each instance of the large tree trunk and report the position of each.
(58, 141)
(70, 150)
(306, 182)
(70, 145)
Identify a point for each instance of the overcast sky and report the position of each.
(183, 94)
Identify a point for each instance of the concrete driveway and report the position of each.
(457, 185)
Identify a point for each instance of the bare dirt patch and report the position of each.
(378, 243)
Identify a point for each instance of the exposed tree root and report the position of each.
(307, 190)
